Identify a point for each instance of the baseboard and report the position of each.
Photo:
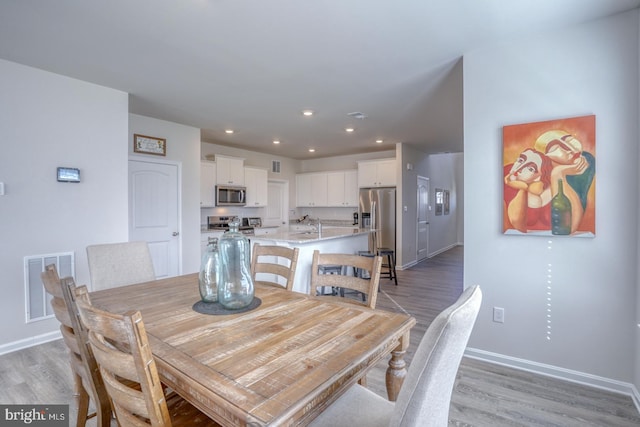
(406, 266)
(431, 255)
(439, 251)
(29, 342)
(636, 397)
(557, 372)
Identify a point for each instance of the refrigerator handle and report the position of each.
(373, 215)
(374, 225)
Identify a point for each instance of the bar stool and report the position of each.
(364, 274)
(390, 265)
(329, 269)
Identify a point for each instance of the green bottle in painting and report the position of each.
(560, 213)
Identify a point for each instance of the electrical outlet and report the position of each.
(498, 314)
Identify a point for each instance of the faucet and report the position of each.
(318, 226)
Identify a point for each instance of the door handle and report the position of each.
(175, 233)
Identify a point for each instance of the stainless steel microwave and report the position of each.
(230, 196)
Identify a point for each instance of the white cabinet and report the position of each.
(377, 173)
(229, 170)
(342, 189)
(255, 179)
(351, 188)
(207, 184)
(327, 189)
(311, 189)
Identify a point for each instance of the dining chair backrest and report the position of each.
(119, 264)
(367, 286)
(87, 378)
(425, 395)
(267, 267)
(121, 347)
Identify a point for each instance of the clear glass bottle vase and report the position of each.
(209, 272)
(235, 288)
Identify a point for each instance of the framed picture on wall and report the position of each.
(549, 172)
(149, 145)
(446, 202)
(439, 201)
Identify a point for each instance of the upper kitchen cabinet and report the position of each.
(342, 188)
(255, 179)
(229, 170)
(207, 184)
(311, 189)
(377, 173)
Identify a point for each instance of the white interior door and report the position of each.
(277, 204)
(153, 213)
(423, 218)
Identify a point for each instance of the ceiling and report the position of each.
(253, 66)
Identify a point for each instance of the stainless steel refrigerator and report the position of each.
(377, 209)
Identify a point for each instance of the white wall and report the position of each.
(183, 147)
(46, 121)
(637, 367)
(590, 69)
(445, 173)
(407, 221)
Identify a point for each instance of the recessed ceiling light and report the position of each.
(378, 141)
(307, 112)
(275, 141)
(349, 129)
(312, 150)
(228, 131)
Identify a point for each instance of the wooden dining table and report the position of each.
(280, 364)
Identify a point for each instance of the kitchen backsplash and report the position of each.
(328, 216)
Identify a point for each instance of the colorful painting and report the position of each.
(549, 171)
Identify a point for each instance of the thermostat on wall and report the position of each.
(68, 174)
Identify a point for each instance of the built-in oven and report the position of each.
(230, 196)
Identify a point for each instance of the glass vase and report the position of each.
(235, 288)
(209, 271)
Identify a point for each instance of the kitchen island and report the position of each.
(331, 240)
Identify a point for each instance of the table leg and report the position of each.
(397, 369)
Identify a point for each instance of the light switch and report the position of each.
(1, 188)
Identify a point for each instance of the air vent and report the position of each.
(275, 166)
(357, 115)
(37, 298)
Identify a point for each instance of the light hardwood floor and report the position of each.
(485, 394)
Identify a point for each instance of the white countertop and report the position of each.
(303, 237)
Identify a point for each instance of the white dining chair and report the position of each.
(119, 264)
(425, 395)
